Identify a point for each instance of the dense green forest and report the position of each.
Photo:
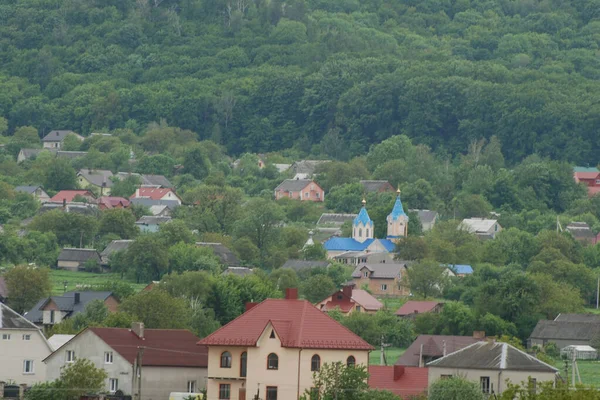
(269, 75)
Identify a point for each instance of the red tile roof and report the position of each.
(69, 195)
(346, 303)
(417, 307)
(411, 381)
(163, 347)
(110, 202)
(297, 322)
(152, 193)
(585, 175)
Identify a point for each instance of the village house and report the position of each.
(300, 265)
(566, 330)
(376, 186)
(382, 279)
(227, 257)
(405, 382)
(36, 191)
(349, 300)
(582, 232)
(491, 364)
(112, 248)
(300, 189)
(590, 177)
(22, 349)
(332, 219)
(459, 270)
(74, 259)
(411, 309)
(150, 223)
(273, 349)
(154, 181)
(68, 196)
(28, 154)
(484, 228)
(156, 194)
(427, 218)
(305, 169)
(111, 202)
(55, 139)
(72, 207)
(52, 310)
(170, 361)
(427, 348)
(364, 257)
(95, 179)
(238, 271)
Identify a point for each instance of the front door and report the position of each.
(242, 395)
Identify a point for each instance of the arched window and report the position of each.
(351, 361)
(243, 364)
(367, 232)
(315, 363)
(272, 361)
(359, 232)
(226, 359)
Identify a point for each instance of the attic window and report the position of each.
(272, 335)
(339, 297)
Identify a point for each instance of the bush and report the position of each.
(455, 389)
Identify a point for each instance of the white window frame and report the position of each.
(30, 370)
(384, 287)
(485, 384)
(113, 385)
(366, 274)
(70, 356)
(108, 357)
(27, 337)
(6, 336)
(191, 386)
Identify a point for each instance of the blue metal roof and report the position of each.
(346, 244)
(463, 269)
(363, 218)
(398, 210)
(388, 244)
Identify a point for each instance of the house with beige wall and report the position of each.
(22, 349)
(491, 364)
(165, 360)
(273, 349)
(381, 279)
(349, 300)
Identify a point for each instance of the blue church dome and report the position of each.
(363, 218)
(398, 210)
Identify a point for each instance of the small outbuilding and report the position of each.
(581, 352)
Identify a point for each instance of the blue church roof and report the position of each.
(398, 210)
(363, 217)
(350, 244)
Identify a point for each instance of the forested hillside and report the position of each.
(267, 75)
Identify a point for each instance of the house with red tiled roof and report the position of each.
(154, 193)
(411, 309)
(110, 202)
(69, 196)
(590, 177)
(349, 300)
(165, 360)
(406, 382)
(272, 350)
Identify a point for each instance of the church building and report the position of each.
(363, 239)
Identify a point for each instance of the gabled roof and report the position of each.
(293, 185)
(425, 216)
(239, 271)
(345, 301)
(79, 255)
(69, 195)
(147, 180)
(75, 207)
(152, 220)
(380, 270)
(586, 175)
(10, 319)
(226, 256)
(366, 300)
(475, 225)
(580, 230)
(66, 303)
(363, 218)
(565, 330)
(58, 136)
(156, 210)
(297, 322)
(578, 318)
(461, 269)
(113, 247)
(57, 341)
(97, 177)
(586, 169)
(111, 201)
(298, 265)
(350, 244)
(405, 382)
(147, 202)
(335, 219)
(492, 355)
(417, 307)
(70, 154)
(375, 186)
(152, 193)
(27, 189)
(433, 346)
(30, 153)
(307, 166)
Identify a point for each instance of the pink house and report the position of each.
(300, 189)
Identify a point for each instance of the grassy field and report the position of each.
(589, 371)
(392, 354)
(76, 279)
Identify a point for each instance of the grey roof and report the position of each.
(425, 216)
(492, 355)
(306, 166)
(293, 185)
(380, 271)
(157, 210)
(113, 247)
(223, 252)
(30, 153)
(298, 265)
(147, 180)
(10, 319)
(239, 271)
(97, 177)
(565, 330)
(70, 154)
(57, 136)
(79, 255)
(580, 230)
(146, 202)
(75, 207)
(66, 303)
(433, 347)
(152, 220)
(335, 219)
(27, 189)
(578, 318)
(374, 186)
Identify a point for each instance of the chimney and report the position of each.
(138, 329)
(398, 371)
(64, 203)
(291, 294)
(250, 305)
(347, 290)
(77, 298)
(137, 192)
(480, 335)
(444, 348)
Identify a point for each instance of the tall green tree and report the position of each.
(26, 286)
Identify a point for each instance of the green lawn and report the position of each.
(391, 353)
(78, 279)
(589, 371)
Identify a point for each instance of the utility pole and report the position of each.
(598, 293)
(381, 354)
